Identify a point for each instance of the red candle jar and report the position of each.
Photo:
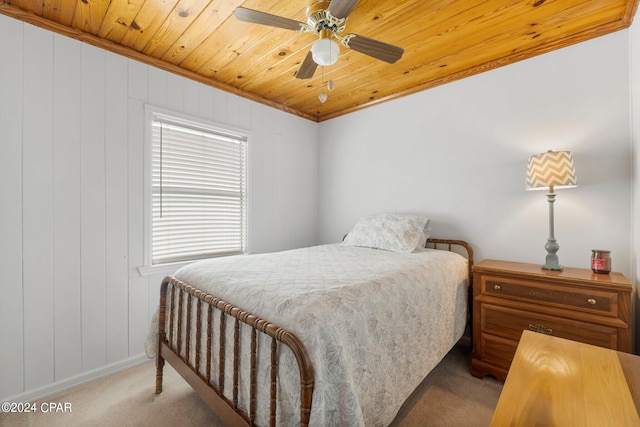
(600, 261)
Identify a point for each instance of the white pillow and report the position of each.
(390, 231)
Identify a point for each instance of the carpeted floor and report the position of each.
(449, 396)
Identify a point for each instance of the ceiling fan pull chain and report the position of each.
(329, 81)
(323, 96)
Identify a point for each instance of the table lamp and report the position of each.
(550, 171)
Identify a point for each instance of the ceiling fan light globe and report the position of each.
(325, 52)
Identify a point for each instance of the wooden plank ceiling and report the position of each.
(443, 40)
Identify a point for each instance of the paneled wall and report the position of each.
(72, 303)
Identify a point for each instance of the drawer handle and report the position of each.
(497, 287)
(591, 301)
(541, 329)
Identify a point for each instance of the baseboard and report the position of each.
(58, 386)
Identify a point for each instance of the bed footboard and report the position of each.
(174, 346)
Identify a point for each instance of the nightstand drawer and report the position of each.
(587, 300)
(509, 323)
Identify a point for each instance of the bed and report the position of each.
(331, 335)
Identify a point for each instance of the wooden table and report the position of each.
(557, 382)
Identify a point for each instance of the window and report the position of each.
(198, 194)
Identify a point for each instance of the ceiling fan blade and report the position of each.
(307, 68)
(380, 50)
(342, 8)
(263, 18)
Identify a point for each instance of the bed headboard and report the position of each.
(462, 248)
(458, 246)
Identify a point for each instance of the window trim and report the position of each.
(150, 113)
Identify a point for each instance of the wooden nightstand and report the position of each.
(577, 304)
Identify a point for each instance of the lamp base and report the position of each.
(551, 260)
(552, 267)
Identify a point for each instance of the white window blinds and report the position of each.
(198, 192)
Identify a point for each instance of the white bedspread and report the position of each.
(374, 322)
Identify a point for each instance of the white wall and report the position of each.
(72, 303)
(459, 152)
(635, 127)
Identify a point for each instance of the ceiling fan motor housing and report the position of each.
(319, 19)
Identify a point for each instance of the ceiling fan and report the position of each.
(328, 20)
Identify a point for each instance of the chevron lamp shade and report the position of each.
(551, 169)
